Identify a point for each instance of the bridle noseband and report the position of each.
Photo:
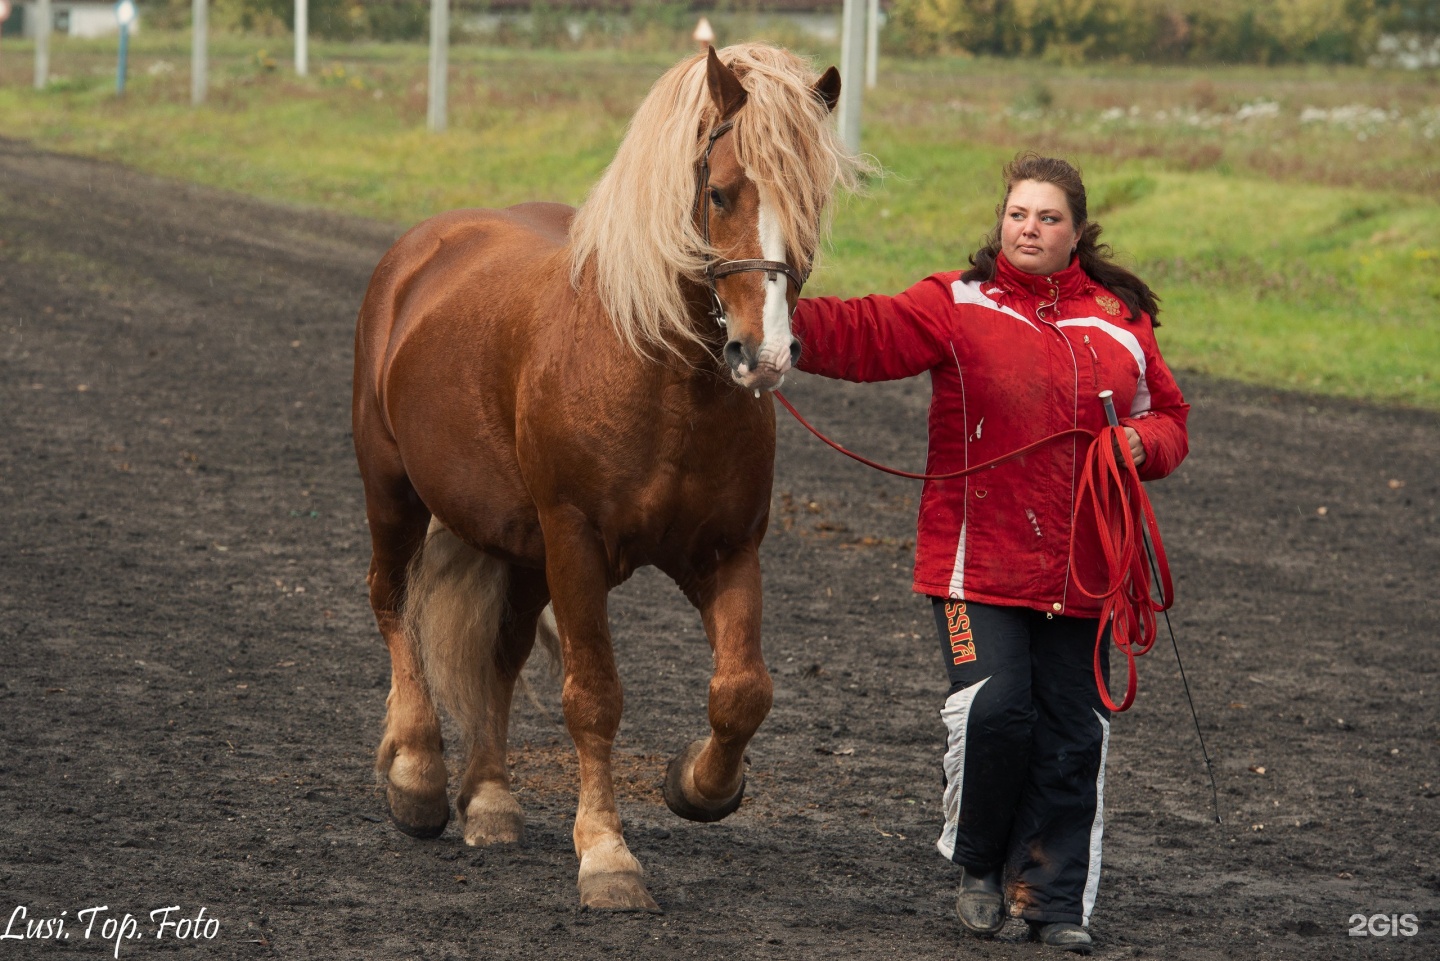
(715, 269)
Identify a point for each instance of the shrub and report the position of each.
(1203, 31)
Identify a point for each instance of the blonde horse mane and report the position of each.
(635, 232)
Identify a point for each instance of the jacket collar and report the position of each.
(1072, 281)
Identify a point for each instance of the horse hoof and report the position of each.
(616, 891)
(493, 817)
(415, 790)
(677, 774)
(423, 818)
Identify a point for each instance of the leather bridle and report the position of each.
(715, 269)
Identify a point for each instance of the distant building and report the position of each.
(74, 18)
(697, 7)
(819, 19)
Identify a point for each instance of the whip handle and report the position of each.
(1107, 398)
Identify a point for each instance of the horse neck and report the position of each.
(695, 361)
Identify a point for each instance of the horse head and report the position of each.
(713, 209)
(753, 277)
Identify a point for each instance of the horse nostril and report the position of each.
(794, 351)
(734, 354)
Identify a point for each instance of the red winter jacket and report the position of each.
(1010, 361)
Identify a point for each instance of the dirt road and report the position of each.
(191, 685)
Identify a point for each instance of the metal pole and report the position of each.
(199, 51)
(302, 37)
(120, 69)
(1107, 400)
(439, 63)
(872, 44)
(852, 68)
(43, 22)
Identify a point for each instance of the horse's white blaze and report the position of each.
(775, 348)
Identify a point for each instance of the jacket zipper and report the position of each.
(1059, 607)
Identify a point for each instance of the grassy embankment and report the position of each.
(1289, 218)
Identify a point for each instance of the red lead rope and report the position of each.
(1112, 486)
(1123, 516)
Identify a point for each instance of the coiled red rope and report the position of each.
(1110, 484)
(1119, 506)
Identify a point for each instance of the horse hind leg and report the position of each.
(474, 625)
(410, 758)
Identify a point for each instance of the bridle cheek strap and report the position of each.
(715, 269)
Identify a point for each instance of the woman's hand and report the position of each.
(1137, 449)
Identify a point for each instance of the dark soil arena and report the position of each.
(191, 683)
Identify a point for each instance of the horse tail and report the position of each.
(547, 636)
(454, 601)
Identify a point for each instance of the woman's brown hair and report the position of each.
(1095, 257)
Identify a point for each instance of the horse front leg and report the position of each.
(577, 571)
(706, 782)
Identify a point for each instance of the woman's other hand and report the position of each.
(1137, 449)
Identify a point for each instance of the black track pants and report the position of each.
(1025, 754)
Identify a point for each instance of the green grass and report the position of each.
(1290, 219)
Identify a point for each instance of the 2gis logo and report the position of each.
(1384, 925)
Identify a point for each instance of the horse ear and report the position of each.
(725, 87)
(827, 88)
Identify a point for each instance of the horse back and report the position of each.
(473, 251)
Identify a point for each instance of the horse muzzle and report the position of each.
(760, 369)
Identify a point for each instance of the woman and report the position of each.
(1017, 348)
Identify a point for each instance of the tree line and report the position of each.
(1063, 31)
(1162, 31)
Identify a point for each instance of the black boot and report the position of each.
(1062, 935)
(980, 902)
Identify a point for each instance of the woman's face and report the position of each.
(1037, 234)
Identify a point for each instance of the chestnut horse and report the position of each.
(560, 396)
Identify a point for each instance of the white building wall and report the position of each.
(78, 19)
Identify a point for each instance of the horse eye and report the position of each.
(717, 198)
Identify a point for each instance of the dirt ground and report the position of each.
(191, 685)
